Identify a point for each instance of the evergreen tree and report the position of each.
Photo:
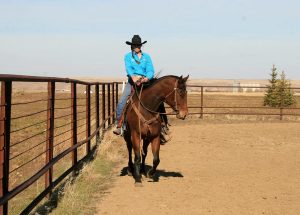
(270, 98)
(285, 93)
(279, 92)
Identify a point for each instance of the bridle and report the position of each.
(175, 89)
(175, 96)
(142, 118)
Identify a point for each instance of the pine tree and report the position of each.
(279, 92)
(270, 98)
(285, 94)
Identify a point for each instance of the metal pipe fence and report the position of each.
(237, 101)
(36, 134)
(31, 136)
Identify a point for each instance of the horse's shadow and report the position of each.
(158, 174)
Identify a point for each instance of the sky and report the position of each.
(220, 39)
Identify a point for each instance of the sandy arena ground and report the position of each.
(217, 168)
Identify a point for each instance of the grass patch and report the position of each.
(82, 193)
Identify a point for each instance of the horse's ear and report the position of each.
(186, 78)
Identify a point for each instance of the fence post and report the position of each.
(97, 109)
(5, 118)
(201, 111)
(117, 93)
(103, 105)
(113, 101)
(88, 117)
(281, 112)
(50, 132)
(108, 104)
(74, 121)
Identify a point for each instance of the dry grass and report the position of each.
(28, 155)
(82, 194)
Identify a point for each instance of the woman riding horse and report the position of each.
(139, 70)
(144, 123)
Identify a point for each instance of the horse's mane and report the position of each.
(154, 81)
(166, 76)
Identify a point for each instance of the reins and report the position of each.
(141, 144)
(156, 112)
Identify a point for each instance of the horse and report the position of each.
(143, 122)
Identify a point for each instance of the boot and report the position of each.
(165, 129)
(164, 138)
(117, 131)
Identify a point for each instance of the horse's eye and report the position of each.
(182, 92)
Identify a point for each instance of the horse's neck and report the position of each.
(153, 96)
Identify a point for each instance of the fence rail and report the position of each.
(50, 138)
(57, 131)
(232, 100)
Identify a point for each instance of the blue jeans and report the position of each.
(122, 101)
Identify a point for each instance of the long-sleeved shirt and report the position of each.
(145, 68)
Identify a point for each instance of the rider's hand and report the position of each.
(135, 78)
(145, 79)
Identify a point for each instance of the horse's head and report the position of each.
(177, 99)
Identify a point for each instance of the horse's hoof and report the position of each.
(138, 184)
(143, 172)
(150, 173)
(138, 180)
(129, 173)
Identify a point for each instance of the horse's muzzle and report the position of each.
(181, 115)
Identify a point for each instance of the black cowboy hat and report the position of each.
(136, 40)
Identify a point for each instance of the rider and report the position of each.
(139, 70)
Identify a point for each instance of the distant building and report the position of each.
(251, 87)
(235, 86)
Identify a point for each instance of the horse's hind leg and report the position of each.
(155, 145)
(145, 150)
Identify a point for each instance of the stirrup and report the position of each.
(164, 138)
(118, 131)
(165, 130)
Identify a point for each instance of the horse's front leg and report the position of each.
(127, 138)
(155, 145)
(145, 150)
(137, 157)
(130, 163)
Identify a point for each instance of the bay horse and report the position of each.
(144, 123)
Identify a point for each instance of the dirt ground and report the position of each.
(216, 168)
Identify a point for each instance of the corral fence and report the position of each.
(61, 122)
(235, 102)
(45, 132)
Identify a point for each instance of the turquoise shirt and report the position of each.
(145, 68)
